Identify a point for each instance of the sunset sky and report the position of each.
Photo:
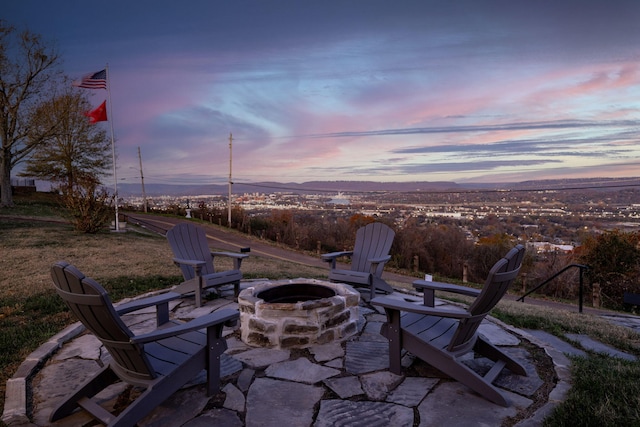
(464, 91)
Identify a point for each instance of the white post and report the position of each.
(144, 194)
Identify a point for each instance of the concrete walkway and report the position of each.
(337, 384)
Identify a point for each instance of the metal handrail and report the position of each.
(580, 291)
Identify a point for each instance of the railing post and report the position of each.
(581, 292)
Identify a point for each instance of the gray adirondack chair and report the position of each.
(161, 361)
(192, 254)
(368, 257)
(440, 336)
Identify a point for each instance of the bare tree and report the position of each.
(27, 76)
(78, 148)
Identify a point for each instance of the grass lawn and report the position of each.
(605, 392)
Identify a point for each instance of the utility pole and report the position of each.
(144, 194)
(230, 182)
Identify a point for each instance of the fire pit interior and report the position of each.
(297, 313)
(292, 293)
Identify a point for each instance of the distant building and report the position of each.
(546, 247)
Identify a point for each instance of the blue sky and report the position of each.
(465, 91)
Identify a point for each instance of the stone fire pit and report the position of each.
(297, 313)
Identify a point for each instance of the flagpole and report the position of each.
(113, 148)
(230, 182)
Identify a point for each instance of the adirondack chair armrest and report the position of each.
(194, 263)
(448, 287)
(380, 259)
(331, 257)
(392, 304)
(375, 262)
(161, 302)
(146, 302)
(428, 288)
(220, 317)
(237, 258)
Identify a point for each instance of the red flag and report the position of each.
(99, 114)
(93, 81)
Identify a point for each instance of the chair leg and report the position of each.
(236, 290)
(98, 382)
(391, 330)
(451, 366)
(216, 345)
(199, 292)
(372, 286)
(491, 352)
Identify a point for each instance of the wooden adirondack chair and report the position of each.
(369, 254)
(192, 254)
(439, 336)
(161, 361)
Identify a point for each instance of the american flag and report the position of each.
(93, 81)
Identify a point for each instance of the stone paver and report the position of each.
(327, 352)
(411, 391)
(557, 343)
(377, 385)
(345, 387)
(340, 383)
(274, 403)
(300, 370)
(334, 413)
(470, 408)
(235, 399)
(366, 356)
(598, 347)
(262, 357)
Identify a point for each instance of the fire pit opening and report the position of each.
(296, 292)
(297, 313)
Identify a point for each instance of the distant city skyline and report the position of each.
(364, 90)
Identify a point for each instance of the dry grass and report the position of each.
(28, 253)
(30, 249)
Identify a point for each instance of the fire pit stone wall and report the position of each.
(297, 323)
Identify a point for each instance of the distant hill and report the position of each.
(286, 187)
(331, 187)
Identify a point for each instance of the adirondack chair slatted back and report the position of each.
(501, 276)
(188, 241)
(91, 304)
(372, 241)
